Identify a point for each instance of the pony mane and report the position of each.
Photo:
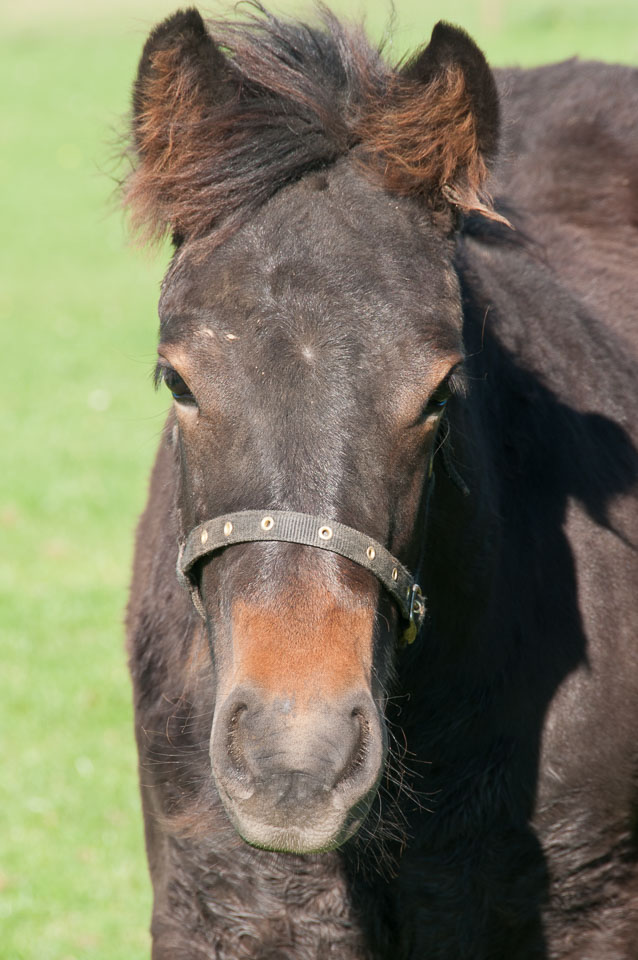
(300, 97)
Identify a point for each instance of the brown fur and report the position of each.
(304, 640)
(199, 170)
(517, 708)
(426, 137)
(166, 138)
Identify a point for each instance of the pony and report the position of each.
(380, 625)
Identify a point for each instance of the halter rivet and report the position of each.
(228, 528)
(325, 533)
(204, 536)
(395, 573)
(371, 553)
(267, 523)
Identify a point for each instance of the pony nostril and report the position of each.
(236, 773)
(234, 716)
(356, 761)
(233, 733)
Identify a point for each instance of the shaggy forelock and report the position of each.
(211, 143)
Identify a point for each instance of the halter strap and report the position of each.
(249, 526)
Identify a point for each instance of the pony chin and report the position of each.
(314, 836)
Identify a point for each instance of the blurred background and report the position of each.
(78, 432)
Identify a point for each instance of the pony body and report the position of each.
(351, 328)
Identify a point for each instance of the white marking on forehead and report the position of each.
(308, 352)
(230, 336)
(208, 332)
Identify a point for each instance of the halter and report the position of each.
(251, 526)
(286, 526)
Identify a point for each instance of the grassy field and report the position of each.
(80, 425)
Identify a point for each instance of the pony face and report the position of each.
(311, 379)
(310, 349)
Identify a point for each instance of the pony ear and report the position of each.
(182, 77)
(438, 127)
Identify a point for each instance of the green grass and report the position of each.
(77, 314)
(78, 435)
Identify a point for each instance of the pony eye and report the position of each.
(176, 384)
(439, 398)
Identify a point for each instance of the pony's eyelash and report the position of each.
(158, 375)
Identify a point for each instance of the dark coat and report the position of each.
(504, 826)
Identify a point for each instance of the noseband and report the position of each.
(251, 526)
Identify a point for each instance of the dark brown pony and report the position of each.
(354, 331)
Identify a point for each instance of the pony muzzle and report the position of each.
(296, 780)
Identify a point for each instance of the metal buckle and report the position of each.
(416, 613)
